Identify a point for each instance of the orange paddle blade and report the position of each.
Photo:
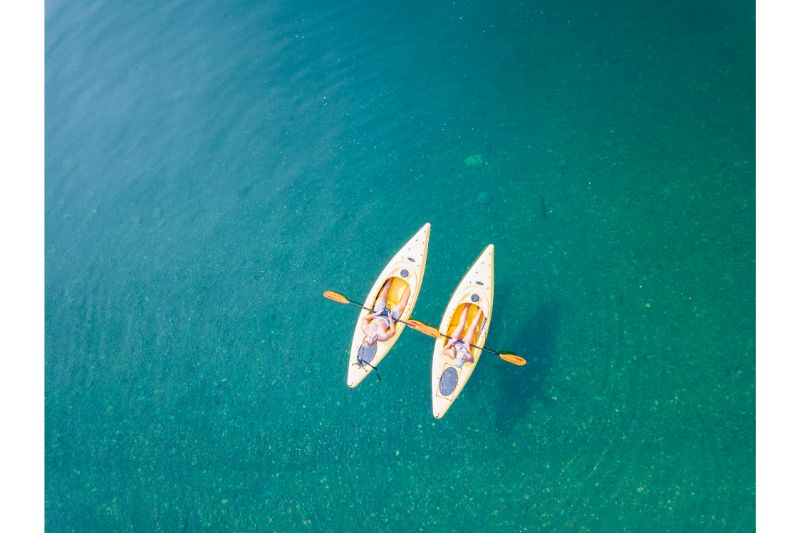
(423, 328)
(336, 297)
(513, 359)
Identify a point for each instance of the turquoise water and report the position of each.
(212, 167)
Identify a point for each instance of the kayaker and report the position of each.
(380, 325)
(457, 348)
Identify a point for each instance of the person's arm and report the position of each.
(364, 327)
(469, 338)
(449, 352)
(388, 335)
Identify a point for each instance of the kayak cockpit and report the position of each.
(397, 287)
(472, 311)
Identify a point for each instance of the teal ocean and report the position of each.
(213, 167)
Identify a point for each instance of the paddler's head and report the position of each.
(369, 340)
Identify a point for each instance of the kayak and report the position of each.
(474, 296)
(405, 270)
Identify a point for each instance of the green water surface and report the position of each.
(212, 167)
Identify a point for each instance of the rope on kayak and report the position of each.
(364, 355)
(362, 362)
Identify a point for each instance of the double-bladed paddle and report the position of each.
(512, 358)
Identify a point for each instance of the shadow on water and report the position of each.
(520, 387)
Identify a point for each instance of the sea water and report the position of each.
(213, 167)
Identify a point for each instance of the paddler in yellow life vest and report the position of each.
(457, 348)
(379, 326)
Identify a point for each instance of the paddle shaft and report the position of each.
(433, 332)
(415, 329)
(422, 327)
(371, 311)
(469, 343)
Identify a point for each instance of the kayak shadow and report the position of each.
(519, 387)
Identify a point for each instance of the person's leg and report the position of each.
(380, 303)
(472, 332)
(460, 328)
(398, 309)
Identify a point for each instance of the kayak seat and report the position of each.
(395, 291)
